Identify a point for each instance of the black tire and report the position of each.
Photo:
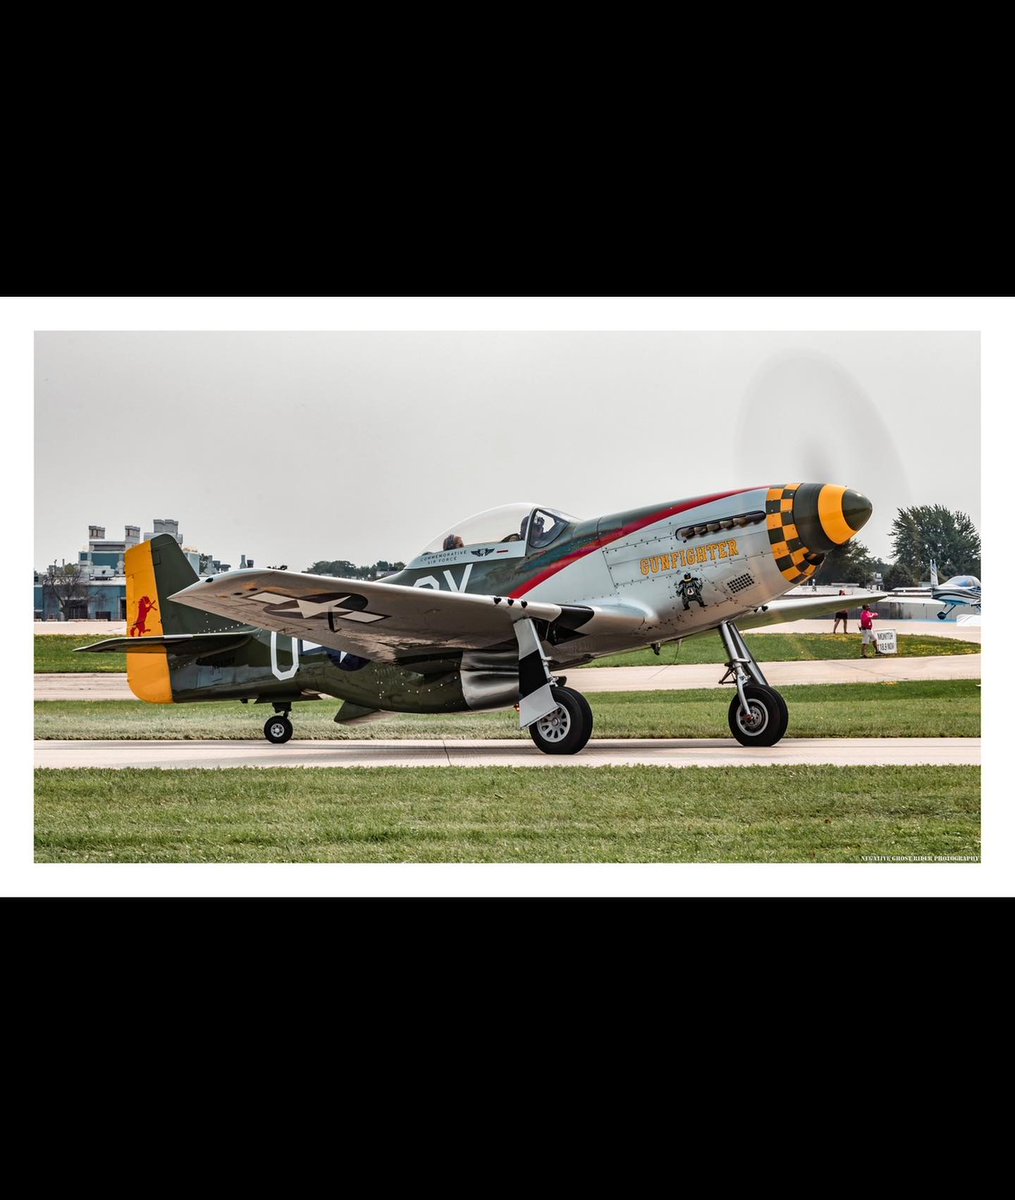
(772, 717)
(567, 729)
(278, 729)
(941, 616)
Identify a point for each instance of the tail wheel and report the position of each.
(278, 729)
(768, 719)
(567, 729)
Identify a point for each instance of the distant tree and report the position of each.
(851, 563)
(379, 569)
(931, 531)
(898, 576)
(347, 570)
(66, 586)
(338, 566)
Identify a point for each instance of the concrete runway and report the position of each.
(619, 752)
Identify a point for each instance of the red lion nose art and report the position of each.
(144, 607)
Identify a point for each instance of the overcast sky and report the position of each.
(293, 447)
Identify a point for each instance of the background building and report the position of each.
(102, 592)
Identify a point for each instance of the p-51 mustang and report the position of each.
(959, 591)
(488, 613)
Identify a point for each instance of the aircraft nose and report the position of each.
(806, 520)
(842, 513)
(856, 510)
(827, 515)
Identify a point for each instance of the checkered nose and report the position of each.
(806, 520)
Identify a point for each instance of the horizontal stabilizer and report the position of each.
(194, 645)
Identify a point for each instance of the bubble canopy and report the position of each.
(508, 523)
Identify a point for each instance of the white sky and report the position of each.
(290, 447)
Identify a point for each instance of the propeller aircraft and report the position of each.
(958, 592)
(488, 613)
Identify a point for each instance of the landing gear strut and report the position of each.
(758, 715)
(279, 728)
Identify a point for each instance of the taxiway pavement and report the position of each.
(618, 752)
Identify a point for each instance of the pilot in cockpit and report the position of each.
(520, 535)
(453, 542)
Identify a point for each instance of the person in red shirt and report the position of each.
(867, 631)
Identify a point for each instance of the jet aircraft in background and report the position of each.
(488, 613)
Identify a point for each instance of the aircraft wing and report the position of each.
(388, 622)
(803, 608)
(926, 601)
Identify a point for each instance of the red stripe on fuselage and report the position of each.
(623, 532)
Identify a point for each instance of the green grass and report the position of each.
(568, 814)
(928, 708)
(55, 652)
(783, 647)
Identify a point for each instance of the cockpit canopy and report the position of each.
(509, 523)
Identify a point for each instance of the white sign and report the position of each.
(886, 642)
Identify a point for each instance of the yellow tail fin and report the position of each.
(147, 674)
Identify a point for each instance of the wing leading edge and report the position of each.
(793, 608)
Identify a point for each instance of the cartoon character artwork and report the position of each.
(689, 588)
(144, 606)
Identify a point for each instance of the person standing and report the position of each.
(867, 631)
(841, 615)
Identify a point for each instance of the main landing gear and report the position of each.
(758, 715)
(279, 728)
(567, 728)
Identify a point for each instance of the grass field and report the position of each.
(55, 652)
(568, 815)
(783, 647)
(928, 708)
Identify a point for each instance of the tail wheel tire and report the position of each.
(768, 721)
(278, 730)
(567, 729)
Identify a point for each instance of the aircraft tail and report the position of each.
(933, 573)
(155, 570)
